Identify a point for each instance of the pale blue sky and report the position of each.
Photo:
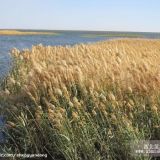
(115, 15)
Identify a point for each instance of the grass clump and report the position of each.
(82, 102)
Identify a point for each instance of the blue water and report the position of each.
(63, 38)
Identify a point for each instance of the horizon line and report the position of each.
(79, 30)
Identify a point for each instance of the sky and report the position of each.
(104, 15)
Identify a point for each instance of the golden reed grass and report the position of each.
(78, 98)
(130, 64)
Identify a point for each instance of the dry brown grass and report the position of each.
(127, 63)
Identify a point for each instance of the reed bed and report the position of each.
(83, 102)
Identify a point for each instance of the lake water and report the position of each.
(62, 38)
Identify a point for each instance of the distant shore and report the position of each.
(17, 32)
(122, 35)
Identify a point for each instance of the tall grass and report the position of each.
(83, 102)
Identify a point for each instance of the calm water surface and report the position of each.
(62, 38)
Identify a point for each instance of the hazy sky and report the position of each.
(116, 15)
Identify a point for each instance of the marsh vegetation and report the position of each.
(85, 102)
